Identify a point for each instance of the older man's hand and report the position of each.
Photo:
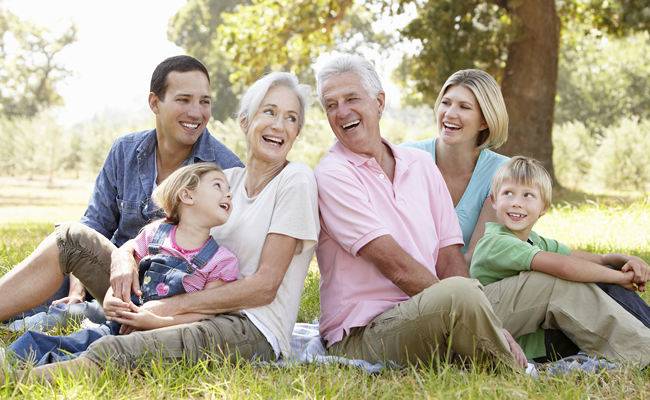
(124, 272)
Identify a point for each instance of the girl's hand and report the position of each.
(138, 318)
(112, 305)
(640, 269)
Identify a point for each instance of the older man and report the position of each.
(394, 284)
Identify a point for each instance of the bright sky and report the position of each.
(119, 45)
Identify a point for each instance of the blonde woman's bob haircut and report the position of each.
(489, 97)
(253, 97)
(188, 177)
(524, 171)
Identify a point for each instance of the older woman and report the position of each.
(472, 120)
(273, 231)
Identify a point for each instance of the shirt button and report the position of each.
(369, 162)
(381, 176)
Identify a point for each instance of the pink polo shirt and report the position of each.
(358, 204)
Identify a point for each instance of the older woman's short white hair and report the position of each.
(349, 63)
(490, 100)
(253, 97)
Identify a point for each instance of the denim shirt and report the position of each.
(121, 201)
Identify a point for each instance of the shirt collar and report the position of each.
(400, 154)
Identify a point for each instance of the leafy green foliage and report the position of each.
(573, 153)
(602, 79)
(194, 28)
(453, 35)
(288, 35)
(39, 146)
(29, 71)
(615, 160)
(623, 161)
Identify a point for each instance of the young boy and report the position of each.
(506, 260)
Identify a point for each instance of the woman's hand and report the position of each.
(138, 318)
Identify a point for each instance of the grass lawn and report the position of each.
(590, 226)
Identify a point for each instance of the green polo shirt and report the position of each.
(500, 254)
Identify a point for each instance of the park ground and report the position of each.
(29, 207)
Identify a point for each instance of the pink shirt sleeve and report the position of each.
(226, 266)
(144, 238)
(345, 204)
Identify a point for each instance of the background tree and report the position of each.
(603, 79)
(194, 28)
(29, 71)
(522, 38)
(518, 41)
(240, 40)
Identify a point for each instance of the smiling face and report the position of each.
(185, 111)
(352, 113)
(212, 200)
(459, 117)
(274, 127)
(518, 207)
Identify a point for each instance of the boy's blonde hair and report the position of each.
(524, 171)
(188, 177)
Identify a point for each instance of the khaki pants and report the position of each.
(588, 316)
(452, 313)
(229, 336)
(85, 253)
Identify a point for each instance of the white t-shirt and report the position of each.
(288, 205)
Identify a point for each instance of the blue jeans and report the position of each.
(40, 349)
(60, 315)
(630, 301)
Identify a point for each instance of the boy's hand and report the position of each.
(627, 281)
(515, 349)
(640, 269)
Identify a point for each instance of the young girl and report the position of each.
(195, 198)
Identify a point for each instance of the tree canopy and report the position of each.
(29, 71)
(240, 40)
(517, 41)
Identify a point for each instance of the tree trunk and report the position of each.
(530, 80)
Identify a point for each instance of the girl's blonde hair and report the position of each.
(489, 97)
(188, 177)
